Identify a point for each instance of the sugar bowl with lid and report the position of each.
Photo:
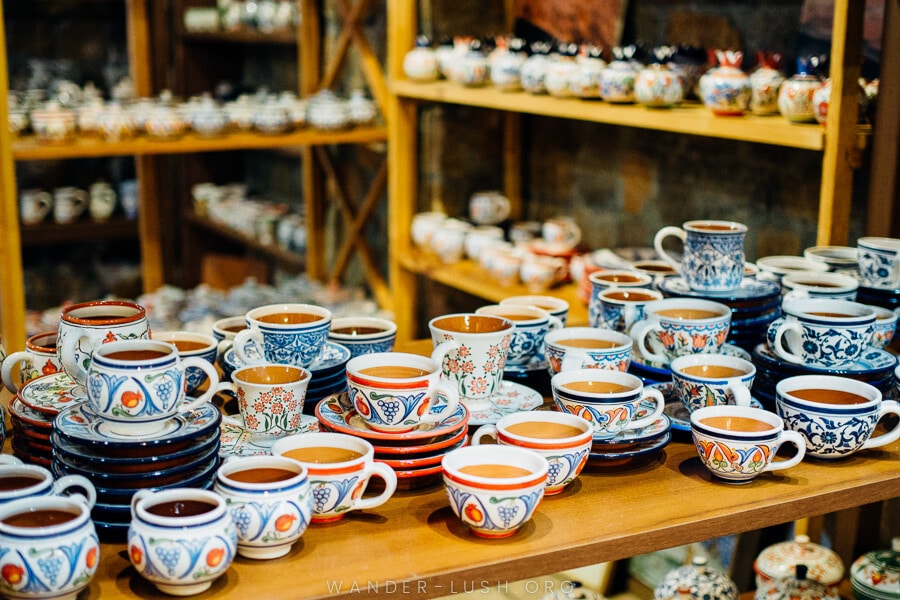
(697, 581)
(780, 560)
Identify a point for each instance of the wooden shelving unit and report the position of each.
(117, 228)
(289, 261)
(241, 36)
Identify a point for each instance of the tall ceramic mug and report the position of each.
(530, 326)
(471, 350)
(713, 259)
(37, 359)
(879, 262)
(676, 327)
(137, 385)
(85, 326)
(292, 334)
(822, 333)
(397, 392)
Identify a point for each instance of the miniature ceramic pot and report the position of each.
(876, 575)
(585, 82)
(795, 98)
(102, 201)
(727, 88)
(561, 71)
(657, 86)
(617, 82)
(779, 561)
(765, 84)
(534, 69)
(697, 581)
(420, 63)
(34, 206)
(506, 66)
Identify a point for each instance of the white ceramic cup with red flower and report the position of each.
(37, 359)
(674, 327)
(270, 398)
(396, 392)
(472, 350)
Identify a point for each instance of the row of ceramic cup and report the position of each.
(66, 204)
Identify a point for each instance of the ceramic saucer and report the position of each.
(79, 424)
(632, 452)
(26, 414)
(80, 456)
(201, 457)
(413, 451)
(652, 367)
(537, 363)
(336, 417)
(675, 409)
(234, 440)
(332, 356)
(750, 289)
(429, 459)
(656, 429)
(51, 394)
(512, 397)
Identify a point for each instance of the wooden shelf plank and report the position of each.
(692, 119)
(242, 36)
(82, 230)
(290, 261)
(471, 278)
(30, 148)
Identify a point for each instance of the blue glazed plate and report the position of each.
(751, 289)
(656, 429)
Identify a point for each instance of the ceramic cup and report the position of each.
(34, 206)
(449, 243)
(838, 286)
(270, 501)
(49, 547)
(557, 307)
(181, 539)
(363, 335)
(884, 328)
(737, 443)
(712, 379)
(396, 392)
(840, 259)
(224, 331)
(773, 268)
(561, 233)
(530, 326)
(676, 327)
(424, 225)
(85, 326)
(563, 439)
(68, 204)
(37, 359)
(608, 399)
(270, 398)
(102, 201)
(620, 308)
(822, 333)
(340, 467)
(191, 344)
(291, 334)
(879, 262)
(20, 480)
(713, 259)
(657, 269)
(136, 386)
(494, 489)
(540, 273)
(479, 237)
(835, 415)
(574, 348)
(488, 207)
(471, 350)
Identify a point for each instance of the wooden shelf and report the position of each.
(287, 260)
(692, 119)
(471, 278)
(415, 543)
(30, 148)
(242, 36)
(82, 230)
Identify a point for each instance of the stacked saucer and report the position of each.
(651, 371)
(185, 453)
(414, 455)
(632, 443)
(32, 412)
(754, 305)
(876, 367)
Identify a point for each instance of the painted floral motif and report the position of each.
(826, 435)
(274, 411)
(723, 459)
(480, 381)
(493, 516)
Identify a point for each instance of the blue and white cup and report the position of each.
(225, 330)
(822, 333)
(606, 279)
(270, 501)
(136, 386)
(713, 256)
(530, 326)
(189, 343)
(572, 348)
(557, 307)
(885, 326)
(363, 335)
(292, 334)
(838, 286)
(19, 480)
(879, 262)
(835, 415)
(619, 309)
(712, 380)
(675, 327)
(610, 400)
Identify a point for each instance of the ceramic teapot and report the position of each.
(780, 560)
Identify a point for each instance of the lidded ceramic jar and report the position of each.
(780, 560)
(765, 82)
(800, 587)
(271, 117)
(617, 79)
(561, 70)
(876, 575)
(472, 67)
(534, 69)
(209, 119)
(361, 109)
(163, 123)
(327, 111)
(585, 83)
(727, 88)
(506, 64)
(53, 123)
(795, 98)
(421, 63)
(656, 85)
(696, 581)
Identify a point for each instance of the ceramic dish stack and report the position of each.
(32, 411)
(184, 454)
(754, 305)
(414, 455)
(632, 443)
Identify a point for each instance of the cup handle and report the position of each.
(639, 333)
(554, 323)
(66, 347)
(450, 393)
(206, 366)
(784, 328)
(662, 234)
(390, 485)
(630, 316)
(241, 340)
(657, 412)
(441, 350)
(137, 497)
(571, 362)
(223, 347)
(741, 394)
(485, 431)
(887, 407)
(45, 201)
(76, 481)
(9, 459)
(81, 200)
(797, 440)
(21, 358)
(795, 295)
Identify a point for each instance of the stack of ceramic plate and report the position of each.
(414, 455)
(32, 412)
(184, 454)
(876, 367)
(651, 371)
(676, 410)
(632, 443)
(753, 306)
(879, 297)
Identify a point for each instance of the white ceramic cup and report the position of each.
(676, 327)
(557, 307)
(290, 334)
(530, 326)
(270, 398)
(572, 348)
(68, 204)
(38, 358)
(838, 286)
(712, 379)
(879, 262)
(822, 332)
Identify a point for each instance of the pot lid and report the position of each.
(696, 581)
(878, 572)
(780, 560)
